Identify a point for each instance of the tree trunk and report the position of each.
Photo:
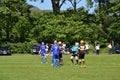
(75, 6)
(55, 6)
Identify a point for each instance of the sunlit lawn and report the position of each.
(28, 67)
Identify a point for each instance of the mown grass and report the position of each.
(28, 67)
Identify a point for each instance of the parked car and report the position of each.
(5, 50)
(117, 50)
(35, 48)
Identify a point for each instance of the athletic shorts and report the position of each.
(43, 54)
(81, 55)
(60, 55)
(74, 54)
(55, 56)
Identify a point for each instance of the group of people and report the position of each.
(78, 51)
(57, 50)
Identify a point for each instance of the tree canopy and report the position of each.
(20, 22)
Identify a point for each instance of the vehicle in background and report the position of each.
(5, 50)
(117, 49)
(35, 48)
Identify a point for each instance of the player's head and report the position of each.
(55, 42)
(43, 43)
(76, 44)
(82, 42)
(59, 42)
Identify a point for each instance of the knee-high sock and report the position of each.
(54, 63)
(72, 61)
(76, 61)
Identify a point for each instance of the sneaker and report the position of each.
(81, 66)
(51, 64)
(84, 65)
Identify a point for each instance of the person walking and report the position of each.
(42, 52)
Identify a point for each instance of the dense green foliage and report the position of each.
(28, 67)
(20, 23)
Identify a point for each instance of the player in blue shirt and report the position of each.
(43, 52)
(75, 53)
(55, 50)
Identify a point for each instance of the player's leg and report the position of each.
(46, 61)
(71, 58)
(57, 60)
(76, 58)
(80, 59)
(42, 58)
(54, 61)
(83, 59)
(61, 59)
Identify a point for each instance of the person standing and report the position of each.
(109, 48)
(55, 54)
(97, 48)
(87, 48)
(47, 48)
(82, 50)
(61, 52)
(74, 53)
(43, 53)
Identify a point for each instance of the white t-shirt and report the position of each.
(86, 46)
(109, 46)
(97, 47)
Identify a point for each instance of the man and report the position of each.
(82, 53)
(61, 52)
(55, 53)
(109, 48)
(97, 48)
(43, 53)
(87, 48)
(74, 53)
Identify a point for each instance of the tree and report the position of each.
(114, 21)
(74, 4)
(10, 12)
(56, 4)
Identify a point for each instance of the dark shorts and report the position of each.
(74, 54)
(60, 55)
(81, 55)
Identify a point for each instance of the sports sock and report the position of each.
(58, 63)
(72, 61)
(54, 63)
(76, 61)
(46, 60)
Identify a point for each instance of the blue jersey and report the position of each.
(55, 49)
(75, 48)
(43, 49)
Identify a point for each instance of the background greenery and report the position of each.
(22, 24)
(29, 67)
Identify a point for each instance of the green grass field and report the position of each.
(28, 67)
